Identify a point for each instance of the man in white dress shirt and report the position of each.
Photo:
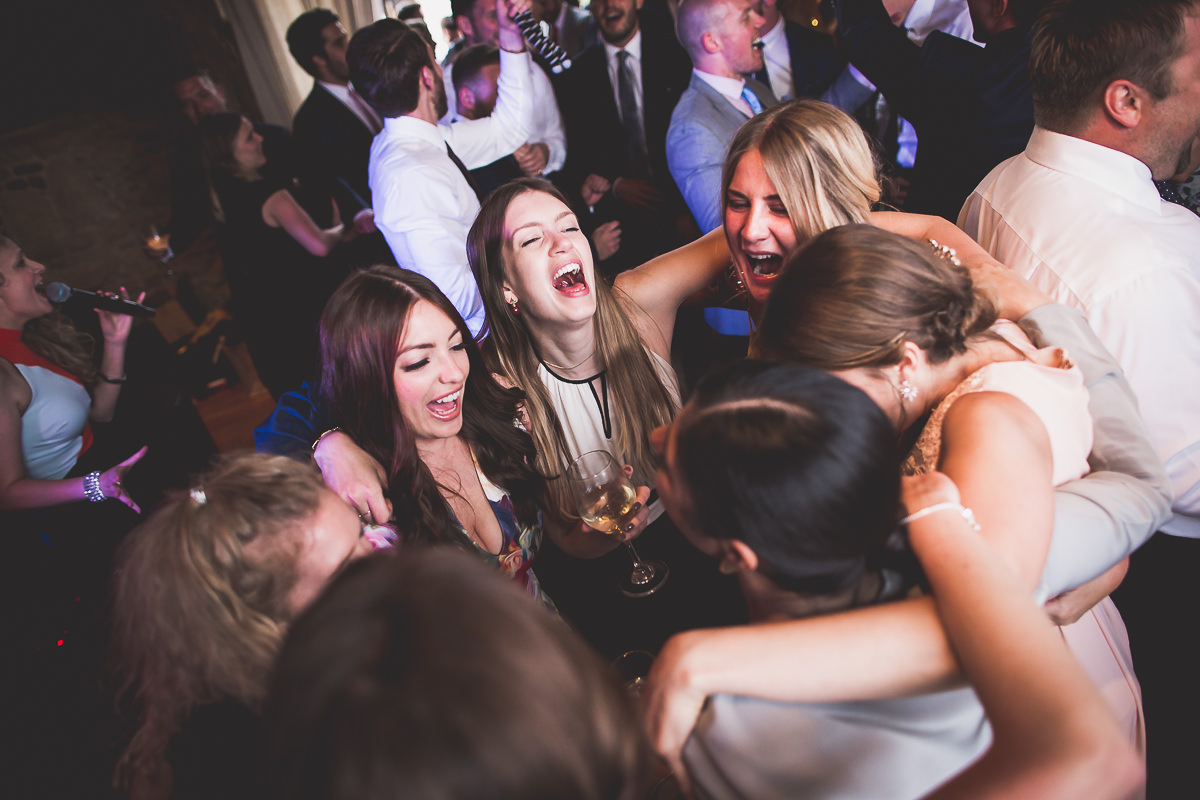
(1116, 88)
(424, 202)
(546, 150)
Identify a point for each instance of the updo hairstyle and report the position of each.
(854, 295)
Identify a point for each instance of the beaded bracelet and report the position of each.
(91, 487)
(967, 514)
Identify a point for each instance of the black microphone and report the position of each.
(548, 50)
(61, 293)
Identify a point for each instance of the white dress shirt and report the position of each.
(612, 57)
(1085, 224)
(423, 204)
(948, 16)
(545, 125)
(778, 61)
(729, 88)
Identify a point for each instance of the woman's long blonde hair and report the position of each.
(200, 596)
(817, 158)
(638, 400)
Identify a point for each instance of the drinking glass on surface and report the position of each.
(604, 497)
(158, 245)
(631, 669)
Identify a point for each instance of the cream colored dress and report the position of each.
(1053, 388)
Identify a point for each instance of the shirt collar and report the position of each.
(1112, 170)
(634, 47)
(340, 92)
(774, 35)
(412, 128)
(728, 87)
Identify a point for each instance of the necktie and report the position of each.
(749, 97)
(368, 114)
(463, 169)
(635, 136)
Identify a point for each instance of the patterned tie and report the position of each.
(368, 115)
(635, 136)
(465, 173)
(751, 100)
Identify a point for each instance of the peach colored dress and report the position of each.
(1053, 388)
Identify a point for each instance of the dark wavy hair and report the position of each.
(361, 328)
(385, 60)
(854, 295)
(304, 38)
(429, 675)
(796, 463)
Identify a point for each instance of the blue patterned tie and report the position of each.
(749, 97)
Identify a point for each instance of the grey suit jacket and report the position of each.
(1104, 516)
(698, 138)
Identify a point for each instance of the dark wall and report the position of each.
(70, 56)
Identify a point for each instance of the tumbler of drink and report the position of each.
(158, 245)
(604, 497)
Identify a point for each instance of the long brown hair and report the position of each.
(55, 338)
(855, 294)
(639, 402)
(218, 133)
(200, 595)
(818, 160)
(361, 329)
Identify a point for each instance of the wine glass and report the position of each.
(604, 496)
(631, 669)
(158, 246)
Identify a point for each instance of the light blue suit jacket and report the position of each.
(698, 138)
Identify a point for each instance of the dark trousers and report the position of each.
(1160, 602)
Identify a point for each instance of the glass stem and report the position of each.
(640, 568)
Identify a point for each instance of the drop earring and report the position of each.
(512, 303)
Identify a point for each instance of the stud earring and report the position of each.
(512, 303)
(907, 391)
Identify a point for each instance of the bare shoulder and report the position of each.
(994, 419)
(14, 389)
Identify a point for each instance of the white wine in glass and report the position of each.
(604, 497)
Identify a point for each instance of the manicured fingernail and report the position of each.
(636, 508)
(629, 528)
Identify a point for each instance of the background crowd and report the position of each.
(893, 336)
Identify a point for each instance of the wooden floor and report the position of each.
(230, 415)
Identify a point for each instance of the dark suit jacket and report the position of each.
(971, 106)
(596, 141)
(595, 137)
(815, 60)
(334, 147)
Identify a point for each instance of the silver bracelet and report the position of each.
(967, 514)
(321, 438)
(91, 487)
